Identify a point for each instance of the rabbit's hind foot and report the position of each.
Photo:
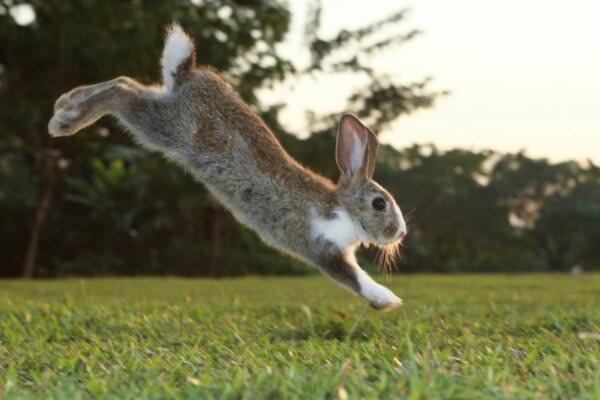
(84, 105)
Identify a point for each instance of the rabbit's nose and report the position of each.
(402, 235)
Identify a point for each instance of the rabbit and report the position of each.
(196, 120)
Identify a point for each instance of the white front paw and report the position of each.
(380, 297)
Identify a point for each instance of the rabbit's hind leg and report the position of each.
(84, 105)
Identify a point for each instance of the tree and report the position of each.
(567, 229)
(70, 43)
(96, 204)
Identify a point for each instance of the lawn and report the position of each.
(534, 336)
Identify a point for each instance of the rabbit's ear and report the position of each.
(356, 149)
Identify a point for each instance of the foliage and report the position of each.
(109, 207)
(92, 222)
(456, 337)
(382, 99)
(95, 204)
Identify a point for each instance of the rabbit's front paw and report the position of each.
(380, 297)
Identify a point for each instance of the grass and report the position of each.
(477, 337)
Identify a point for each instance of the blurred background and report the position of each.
(494, 162)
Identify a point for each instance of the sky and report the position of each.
(522, 74)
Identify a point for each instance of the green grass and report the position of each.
(456, 337)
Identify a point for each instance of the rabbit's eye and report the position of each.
(378, 203)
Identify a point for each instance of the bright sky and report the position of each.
(523, 74)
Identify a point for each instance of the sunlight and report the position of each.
(522, 75)
(23, 14)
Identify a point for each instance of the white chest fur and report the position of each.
(340, 229)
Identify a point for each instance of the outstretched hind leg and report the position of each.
(84, 105)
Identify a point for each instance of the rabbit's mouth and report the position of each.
(373, 240)
(396, 238)
(393, 239)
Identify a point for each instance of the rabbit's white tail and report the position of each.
(178, 56)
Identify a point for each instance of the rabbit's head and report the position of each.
(372, 208)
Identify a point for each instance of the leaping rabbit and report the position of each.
(199, 122)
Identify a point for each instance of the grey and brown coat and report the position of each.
(199, 122)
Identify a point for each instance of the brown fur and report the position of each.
(270, 156)
(203, 125)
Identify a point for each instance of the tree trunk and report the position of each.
(49, 180)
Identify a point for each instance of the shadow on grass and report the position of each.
(335, 327)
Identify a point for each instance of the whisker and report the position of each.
(387, 255)
(408, 214)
